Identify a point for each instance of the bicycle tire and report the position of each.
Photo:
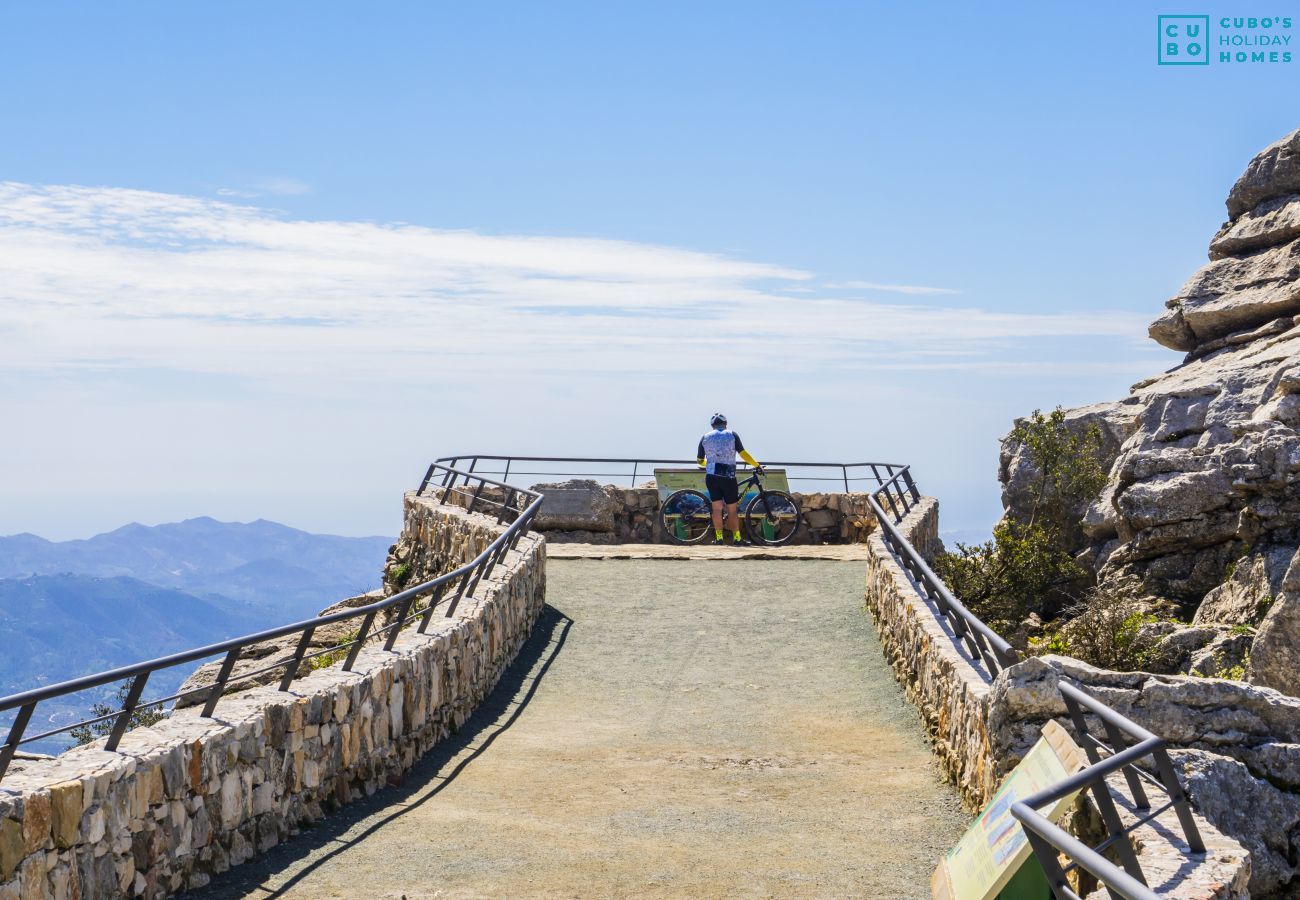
(772, 518)
(686, 517)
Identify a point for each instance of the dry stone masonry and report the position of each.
(189, 797)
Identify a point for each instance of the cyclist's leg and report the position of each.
(715, 503)
(732, 496)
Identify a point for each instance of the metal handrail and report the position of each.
(982, 642)
(1125, 881)
(844, 477)
(456, 585)
(1046, 838)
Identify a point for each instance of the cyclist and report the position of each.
(717, 455)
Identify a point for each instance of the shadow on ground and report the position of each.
(425, 780)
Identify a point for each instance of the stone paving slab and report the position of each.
(838, 552)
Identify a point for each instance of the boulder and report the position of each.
(1232, 293)
(1175, 644)
(1224, 656)
(1275, 655)
(580, 505)
(1210, 467)
(1265, 820)
(254, 658)
(1274, 172)
(1267, 225)
(1244, 598)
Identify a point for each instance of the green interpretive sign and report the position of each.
(993, 860)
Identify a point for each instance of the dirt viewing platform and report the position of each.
(672, 728)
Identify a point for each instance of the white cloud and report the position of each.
(100, 279)
(284, 187)
(889, 288)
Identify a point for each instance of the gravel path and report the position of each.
(674, 729)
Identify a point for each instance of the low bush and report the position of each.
(1028, 567)
(1105, 630)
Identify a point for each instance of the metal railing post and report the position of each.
(15, 736)
(396, 626)
(428, 476)
(460, 592)
(1182, 807)
(473, 501)
(1119, 745)
(428, 612)
(291, 669)
(1045, 853)
(132, 700)
(227, 665)
(1115, 828)
(506, 503)
(361, 639)
(911, 485)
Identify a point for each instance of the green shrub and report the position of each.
(141, 718)
(1028, 566)
(1004, 580)
(399, 574)
(325, 660)
(1105, 630)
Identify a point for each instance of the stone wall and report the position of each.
(189, 797)
(981, 727)
(936, 672)
(616, 515)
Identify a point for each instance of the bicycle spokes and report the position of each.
(687, 517)
(772, 518)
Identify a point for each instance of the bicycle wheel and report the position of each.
(686, 517)
(772, 518)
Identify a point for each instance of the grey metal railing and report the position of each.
(515, 508)
(984, 644)
(851, 476)
(1046, 838)
(891, 502)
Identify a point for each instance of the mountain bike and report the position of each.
(770, 517)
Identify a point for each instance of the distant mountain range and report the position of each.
(72, 608)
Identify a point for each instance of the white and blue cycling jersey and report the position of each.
(718, 449)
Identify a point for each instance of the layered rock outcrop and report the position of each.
(1201, 507)
(1202, 502)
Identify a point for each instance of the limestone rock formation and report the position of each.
(1202, 502)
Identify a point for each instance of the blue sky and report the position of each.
(268, 259)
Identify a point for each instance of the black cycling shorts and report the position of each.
(722, 487)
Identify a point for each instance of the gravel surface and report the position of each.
(673, 729)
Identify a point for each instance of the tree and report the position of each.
(140, 718)
(1027, 567)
